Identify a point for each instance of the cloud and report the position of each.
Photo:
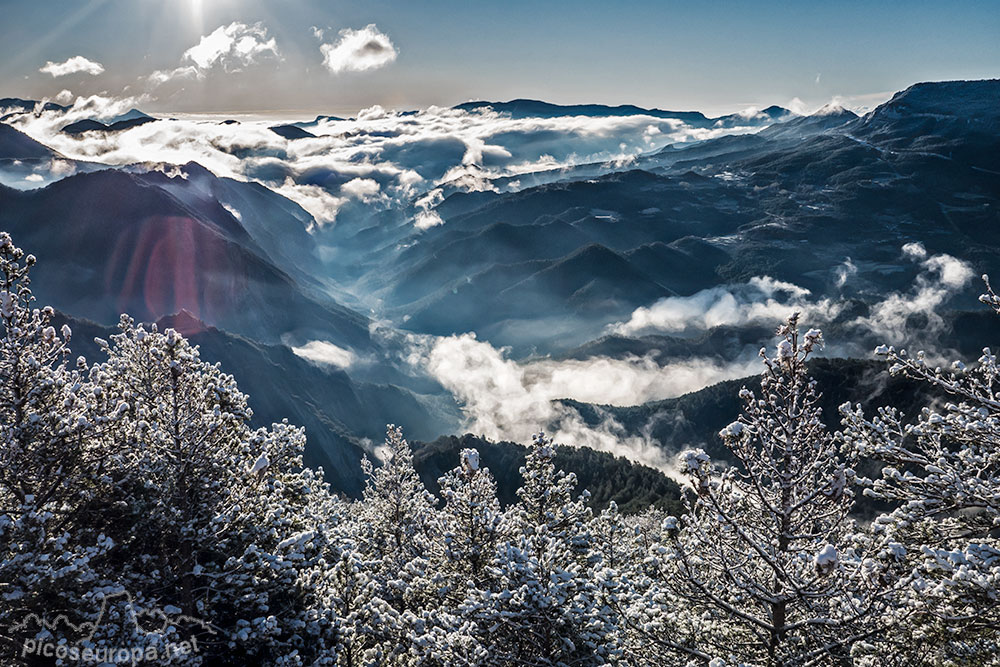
(365, 189)
(415, 159)
(509, 400)
(160, 77)
(942, 277)
(64, 97)
(762, 300)
(845, 271)
(317, 201)
(915, 250)
(426, 216)
(358, 50)
(74, 65)
(326, 353)
(231, 47)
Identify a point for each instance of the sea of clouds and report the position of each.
(382, 159)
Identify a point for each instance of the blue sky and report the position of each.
(717, 57)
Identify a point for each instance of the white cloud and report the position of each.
(318, 202)
(942, 277)
(415, 159)
(64, 97)
(763, 299)
(506, 399)
(233, 211)
(915, 250)
(427, 219)
(323, 352)
(74, 65)
(845, 271)
(365, 189)
(358, 50)
(160, 77)
(231, 47)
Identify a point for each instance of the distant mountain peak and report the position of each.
(833, 109)
(291, 132)
(973, 100)
(131, 114)
(183, 322)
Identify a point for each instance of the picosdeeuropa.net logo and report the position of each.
(121, 632)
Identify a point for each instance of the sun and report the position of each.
(196, 9)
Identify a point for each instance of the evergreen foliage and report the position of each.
(139, 510)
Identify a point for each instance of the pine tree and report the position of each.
(545, 608)
(942, 474)
(470, 524)
(394, 526)
(47, 466)
(765, 558)
(209, 517)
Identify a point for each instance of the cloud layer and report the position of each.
(942, 277)
(382, 159)
(509, 400)
(762, 300)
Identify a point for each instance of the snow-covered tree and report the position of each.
(47, 465)
(395, 517)
(469, 525)
(545, 607)
(765, 560)
(209, 516)
(395, 530)
(942, 472)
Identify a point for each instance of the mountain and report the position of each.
(828, 118)
(792, 201)
(15, 105)
(953, 121)
(608, 478)
(291, 132)
(341, 416)
(128, 242)
(90, 125)
(15, 145)
(316, 121)
(523, 108)
(85, 125)
(131, 114)
(545, 264)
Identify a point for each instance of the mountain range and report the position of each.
(660, 258)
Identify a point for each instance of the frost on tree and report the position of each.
(142, 474)
(545, 607)
(942, 472)
(765, 564)
(470, 525)
(196, 496)
(47, 464)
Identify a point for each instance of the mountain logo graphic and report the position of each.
(154, 620)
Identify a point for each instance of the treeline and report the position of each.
(633, 487)
(143, 519)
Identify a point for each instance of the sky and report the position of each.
(306, 57)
